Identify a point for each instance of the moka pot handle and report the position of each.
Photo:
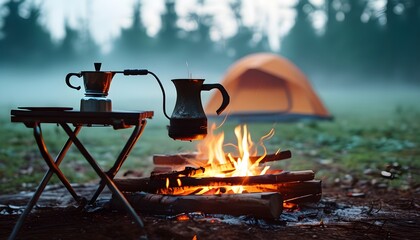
(225, 95)
(68, 80)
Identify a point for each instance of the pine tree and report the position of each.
(240, 44)
(66, 50)
(302, 45)
(351, 46)
(169, 37)
(24, 40)
(201, 48)
(402, 40)
(134, 41)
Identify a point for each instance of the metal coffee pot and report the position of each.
(97, 84)
(188, 120)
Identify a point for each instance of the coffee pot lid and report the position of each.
(97, 69)
(97, 66)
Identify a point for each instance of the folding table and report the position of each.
(33, 117)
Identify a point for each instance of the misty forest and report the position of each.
(360, 164)
(358, 43)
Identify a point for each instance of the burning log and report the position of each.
(266, 205)
(293, 192)
(192, 158)
(188, 171)
(283, 155)
(153, 186)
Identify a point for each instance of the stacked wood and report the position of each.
(295, 186)
(177, 175)
(268, 205)
(153, 186)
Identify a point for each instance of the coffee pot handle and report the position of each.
(225, 95)
(68, 80)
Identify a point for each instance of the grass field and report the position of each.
(372, 131)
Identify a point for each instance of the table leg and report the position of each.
(109, 182)
(135, 135)
(50, 162)
(41, 187)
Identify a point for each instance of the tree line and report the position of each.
(354, 41)
(359, 43)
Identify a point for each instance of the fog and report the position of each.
(362, 64)
(47, 88)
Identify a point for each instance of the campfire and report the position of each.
(212, 161)
(222, 178)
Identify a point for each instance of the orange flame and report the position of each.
(222, 164)
(236, 163)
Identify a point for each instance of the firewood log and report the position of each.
(152, 186)
(267, 205)
(192, 158)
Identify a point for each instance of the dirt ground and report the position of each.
(377, 214)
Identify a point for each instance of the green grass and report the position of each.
(350, 144)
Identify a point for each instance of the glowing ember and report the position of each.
(291, 206)
(183, 217)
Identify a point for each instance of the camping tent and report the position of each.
(267, 87)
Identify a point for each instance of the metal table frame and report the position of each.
(117, 120)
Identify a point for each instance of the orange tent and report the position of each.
(267, 87)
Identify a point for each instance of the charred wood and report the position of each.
(309, 198)
(283, 155)
(292, 190)
(187, 172)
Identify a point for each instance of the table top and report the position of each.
(119, 119)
